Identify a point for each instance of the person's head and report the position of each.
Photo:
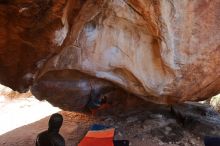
(55, 122)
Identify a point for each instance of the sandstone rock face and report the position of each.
(164, 51)
(26, 32)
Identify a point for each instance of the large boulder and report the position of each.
(164, 51)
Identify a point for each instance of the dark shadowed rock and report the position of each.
(199, 118)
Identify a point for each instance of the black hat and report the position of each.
(55, 122)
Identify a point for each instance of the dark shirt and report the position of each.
(211, 141)
(47, 138)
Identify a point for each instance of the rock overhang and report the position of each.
(158, 50)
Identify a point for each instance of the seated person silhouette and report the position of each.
(51, 137)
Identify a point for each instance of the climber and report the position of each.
(97, 102)
(51, 137)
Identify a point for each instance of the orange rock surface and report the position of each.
(164, 51)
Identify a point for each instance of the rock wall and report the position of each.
(164, 51)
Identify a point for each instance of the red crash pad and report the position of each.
(98, 138)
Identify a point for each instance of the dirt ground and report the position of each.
(145, 125)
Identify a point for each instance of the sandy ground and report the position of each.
(17, 112)
(23, 118)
